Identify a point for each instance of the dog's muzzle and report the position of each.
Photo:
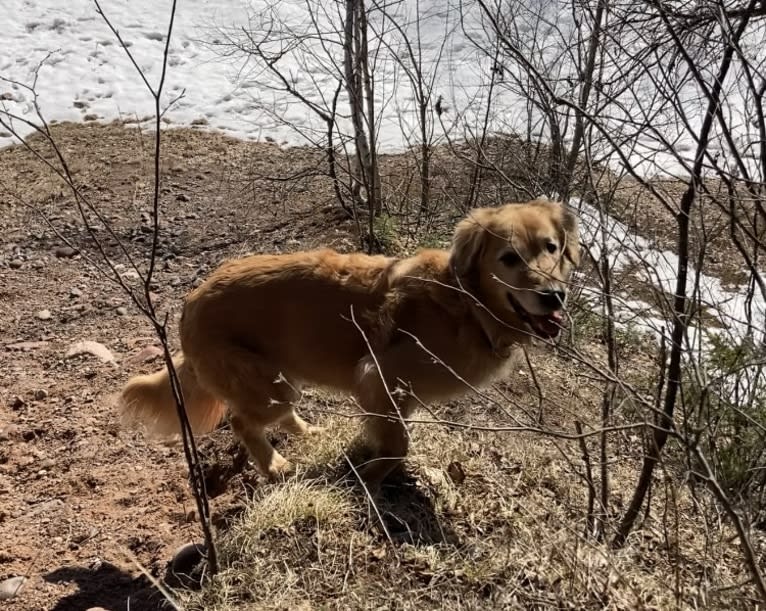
(545, 326)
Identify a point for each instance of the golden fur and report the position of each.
(391, 331)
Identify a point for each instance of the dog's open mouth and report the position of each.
(545, 326)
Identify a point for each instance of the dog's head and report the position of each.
(517, 259)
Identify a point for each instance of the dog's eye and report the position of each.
(510, 258)
(551, 247)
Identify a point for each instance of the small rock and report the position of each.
(122, 311)
(65, 252)
(456, 472)
(97, 609)
(44, 508)
(435, 477)
(146, 355)
(131, 274)
(17, 402)
(44, 314)
(16, 263)
(41, 394)
(75, 292)
(11, 587)
(25, 346)
(182, 197)
(186, 567)
(101, 352)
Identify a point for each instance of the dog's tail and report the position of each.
(148, 400)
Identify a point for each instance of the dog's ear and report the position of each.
(467, 242)
(571, 235)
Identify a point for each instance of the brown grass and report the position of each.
(510, 535)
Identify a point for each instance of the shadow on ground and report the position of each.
(403, 509)
(108, 587)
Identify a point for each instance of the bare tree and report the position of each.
(53, 157)
(624, 109)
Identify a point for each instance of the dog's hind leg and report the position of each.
(258, 396)
(270, 462)
(293, 423)
(251, 414)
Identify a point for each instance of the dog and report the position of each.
(394, 332)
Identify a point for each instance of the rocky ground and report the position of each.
(84, 502)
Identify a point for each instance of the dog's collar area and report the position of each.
(546, 326)
(501, 336)
(499, 343)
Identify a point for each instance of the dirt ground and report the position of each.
(82, 500)
(92, 512)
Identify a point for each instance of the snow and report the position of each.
(87, 73)
(83, 72)
(657, 268)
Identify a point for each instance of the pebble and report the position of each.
(146, 355)
(65, 252)
(44, 508)
(185, 566)
(11, 587)
(122, 311)
(16, 263)
(41, 394)
(26, 346)
(182, 197)
(75, 292)
(44, 314)
(101, 352)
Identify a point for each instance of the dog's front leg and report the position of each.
(388, 438)
(384, 393)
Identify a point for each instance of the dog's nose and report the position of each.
(553, 298)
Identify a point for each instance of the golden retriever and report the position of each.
(394, 332)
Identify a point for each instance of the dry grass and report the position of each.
(509, 535)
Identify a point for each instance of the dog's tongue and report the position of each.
(549, 325)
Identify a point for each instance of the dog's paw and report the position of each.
(279, 468)
(372, 474)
